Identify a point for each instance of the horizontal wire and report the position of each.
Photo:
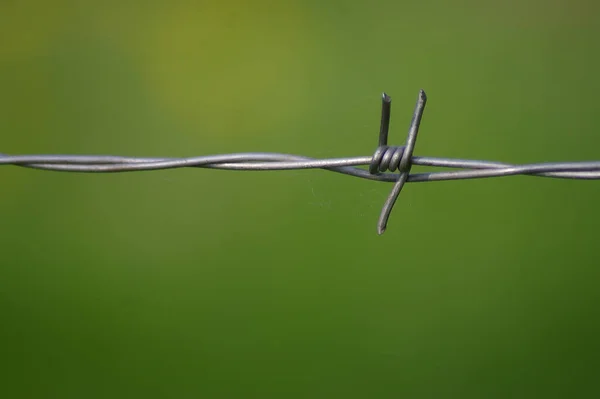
(256, 161)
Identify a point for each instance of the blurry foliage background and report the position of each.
(200, 283)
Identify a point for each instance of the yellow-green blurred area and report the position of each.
(197, 283)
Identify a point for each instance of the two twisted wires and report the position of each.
(381, 165)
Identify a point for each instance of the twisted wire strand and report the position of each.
(385, 160)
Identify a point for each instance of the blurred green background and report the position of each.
(219, 284)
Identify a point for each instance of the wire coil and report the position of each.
(387, 164)
(385, 159)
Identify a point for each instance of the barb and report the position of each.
(385, 159)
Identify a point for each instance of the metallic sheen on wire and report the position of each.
(384, 158)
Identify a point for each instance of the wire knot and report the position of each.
(392, 158)
(386, 158)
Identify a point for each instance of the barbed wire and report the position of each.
(385, 159)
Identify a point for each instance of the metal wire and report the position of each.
(386, 158)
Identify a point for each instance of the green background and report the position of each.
(220, 284)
